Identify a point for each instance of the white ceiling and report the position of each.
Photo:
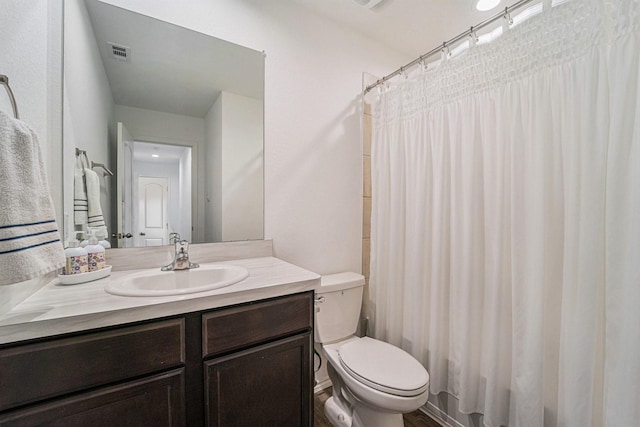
(410, 26)
(143, 151)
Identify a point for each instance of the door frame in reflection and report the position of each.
(174, 162)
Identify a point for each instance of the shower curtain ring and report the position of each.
(507, 16)
(423, 63)
(474, 35)
(445, 50)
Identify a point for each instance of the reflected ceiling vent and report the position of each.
(119, 53)
(369, 4)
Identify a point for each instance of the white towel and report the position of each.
(29, 239)
(80, 204)
(93, 197)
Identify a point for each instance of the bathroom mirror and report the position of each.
(175, 115)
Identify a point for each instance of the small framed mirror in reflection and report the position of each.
(177, 115)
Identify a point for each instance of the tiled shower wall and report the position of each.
(366, 203)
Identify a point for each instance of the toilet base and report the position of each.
(362, 416)
(366, 417)
(338, 416)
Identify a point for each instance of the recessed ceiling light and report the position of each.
(484, 5)
(155, 155)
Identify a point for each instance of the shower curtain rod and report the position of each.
(504, 14)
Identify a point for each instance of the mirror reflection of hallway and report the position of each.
(160, 192)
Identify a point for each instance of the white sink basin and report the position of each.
(161, 283)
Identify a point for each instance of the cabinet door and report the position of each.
(268, 385)
(153, 401)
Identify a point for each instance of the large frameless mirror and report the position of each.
(175, 115)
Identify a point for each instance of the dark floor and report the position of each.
(414, 419)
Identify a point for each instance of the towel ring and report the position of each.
(4, 81)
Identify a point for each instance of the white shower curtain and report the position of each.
(505, 236)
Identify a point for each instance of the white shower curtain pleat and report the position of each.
(505, 240)
(622, 241)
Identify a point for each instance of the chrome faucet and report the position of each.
(181, 258)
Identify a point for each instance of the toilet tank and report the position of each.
(338, 304)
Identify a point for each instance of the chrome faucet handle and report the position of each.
(183, 253)
(174, 238)
(182, 249)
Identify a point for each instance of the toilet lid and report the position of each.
(384, 367)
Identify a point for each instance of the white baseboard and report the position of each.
(439, 415)
(322, 385)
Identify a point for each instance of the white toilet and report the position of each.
(374, 382)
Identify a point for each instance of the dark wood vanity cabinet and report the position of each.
(246, 365)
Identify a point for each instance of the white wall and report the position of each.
(313, 162)
(213, 173)
(234, 183)
(23, 48)
(242, 168)
(89, 109)
(30, 48)
(157, 126)
(184, 225)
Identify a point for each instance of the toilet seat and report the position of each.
(383, 367)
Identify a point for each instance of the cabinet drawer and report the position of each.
(247, 325)
(33, 372)
(157, 400)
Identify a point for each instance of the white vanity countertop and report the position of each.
(58, 309)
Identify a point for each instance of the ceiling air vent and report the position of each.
(119, 53)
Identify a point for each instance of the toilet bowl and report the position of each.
(374, 382)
